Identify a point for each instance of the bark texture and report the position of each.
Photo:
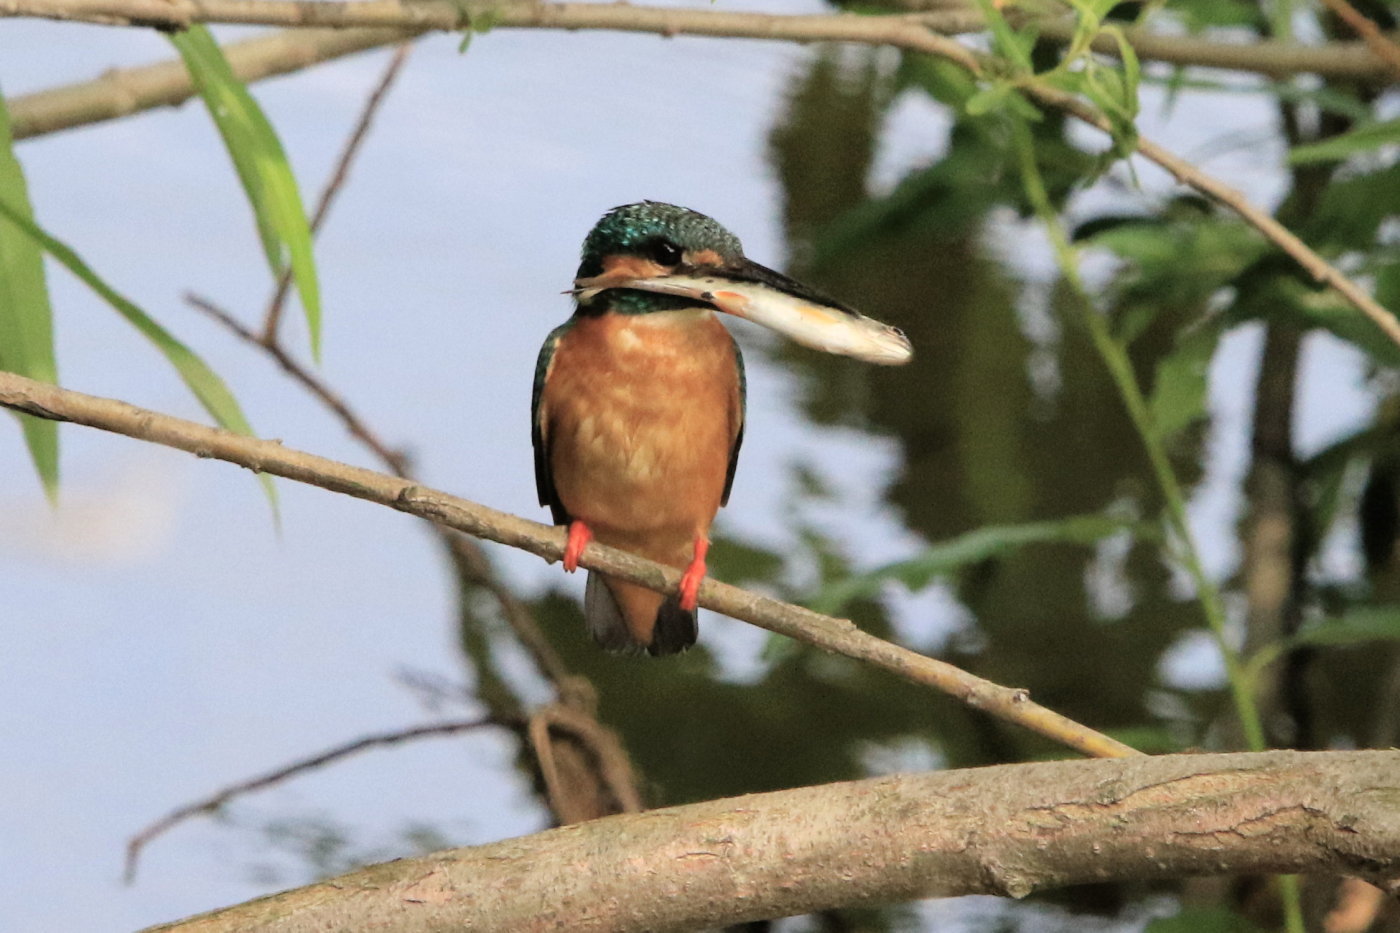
(1008, 830)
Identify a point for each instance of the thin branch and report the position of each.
(836, 635)
(216, 801)
(1381, 45)
(908, 32)
(1354, 61)
(471, 565)
(273, 315)
(392, 458)
(597, 778)
(1006, 830)
(612, 763)
(122, 92)
(1320, 269)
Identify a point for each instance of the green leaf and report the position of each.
(262, 168)
(26, 319)
(206, 385)
(1180, 388)
(1015, 48)
(1354, 210)
(1325, 475)
(1388, 284)
(989, 98)
(1362, 139)
(1359, 626)
(1308, 307)
(948, 557)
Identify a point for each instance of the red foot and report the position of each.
(690, 580)
(579, 536)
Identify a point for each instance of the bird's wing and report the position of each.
(539, 430)
(737, 405)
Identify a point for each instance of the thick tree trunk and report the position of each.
(1005, 830)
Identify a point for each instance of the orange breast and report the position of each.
(641, 412)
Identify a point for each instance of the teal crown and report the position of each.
(635, 229)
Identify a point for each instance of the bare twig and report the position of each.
(907, 32)
(1381, 45)
(1006, 830)
(599, 774)
(121, 92)
(470, 563)
(836, 635)
(273, 315)
(215, 801)
(392, 458)
(617, 774)
(1354, 61)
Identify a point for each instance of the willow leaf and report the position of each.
(948, 557)
(206, 385)
(26, 318)
(262, 167)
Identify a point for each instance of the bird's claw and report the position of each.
(579, 536)
(694, 575)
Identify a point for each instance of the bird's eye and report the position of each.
(664, 252)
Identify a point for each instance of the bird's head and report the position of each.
(651, 256)
(650, 239)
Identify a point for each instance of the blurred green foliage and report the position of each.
(1018, 462)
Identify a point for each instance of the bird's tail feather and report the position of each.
(674, 630)
(604, 616)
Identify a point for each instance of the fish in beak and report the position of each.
(756, 293)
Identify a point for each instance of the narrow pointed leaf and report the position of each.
(262, 167)
(206, 385)
(26, 318)
(1361, 625)
(948, 557)
(1365, 138)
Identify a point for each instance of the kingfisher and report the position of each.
(638, 404)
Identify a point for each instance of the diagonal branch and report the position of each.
(836, 635)
(1007, 830)
(1381, 45)
(597, 777)
(121, 92)
(390, 457)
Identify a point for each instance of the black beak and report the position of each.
(748, 271)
